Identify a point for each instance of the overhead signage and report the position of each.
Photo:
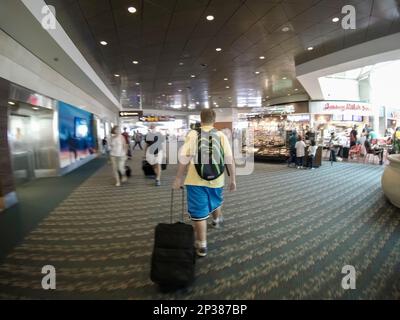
(156, 118)
(129, 114)
(341, 108)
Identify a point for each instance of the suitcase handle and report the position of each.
(183, 203)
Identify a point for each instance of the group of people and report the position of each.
(120, 150)
(298, 155)
(368, 142)
(204, 193)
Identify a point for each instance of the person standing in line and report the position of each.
(205, 197)
(300, 152)
(333, 147)
(312, 152)
(154, 151)
(118, 152)
(353, 136)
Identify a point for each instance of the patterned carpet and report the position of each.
(287, 235)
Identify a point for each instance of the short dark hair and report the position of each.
(313, 143)
(114, 130)
(208, 116)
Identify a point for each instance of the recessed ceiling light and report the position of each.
(132, 9)
(285, 29)
(296, 89)
(104, 43)
(197, 103)
(180, 90)
(226, 79)
(11, 103)
(310, 48)
(123, 90)
(135, 62)
(228, 87)
(257, 72)
(35, 108)
(138, 83)
(336, 19)
(181, 63)
(218, 49)
(116, 75)
(284, 78)
(262, 57)
(193, 76)
(210, 18)
(184, 104)
(169, 83)
(289, 94)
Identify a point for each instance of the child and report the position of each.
(300, 152)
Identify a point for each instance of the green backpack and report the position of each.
(210, 164)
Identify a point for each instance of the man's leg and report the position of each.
(200, 229)
(121, 167)
(157, 171)
(115, 170)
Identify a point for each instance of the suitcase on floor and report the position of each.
(173, 259)
(148, 169)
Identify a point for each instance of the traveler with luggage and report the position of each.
(206, 153)
(154, 152)
(118, 152)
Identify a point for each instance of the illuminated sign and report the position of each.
(128, 114)
(341, 108)
(156, 118)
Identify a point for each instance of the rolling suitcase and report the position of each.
(148, 169)
(173, 258)
(128, 172)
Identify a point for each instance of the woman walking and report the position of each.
(118, 155)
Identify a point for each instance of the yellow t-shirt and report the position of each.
(189, 149)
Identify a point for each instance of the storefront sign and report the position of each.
(299, 118)
(342, 108)
(128, 114)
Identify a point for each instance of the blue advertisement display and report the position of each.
(76, 132)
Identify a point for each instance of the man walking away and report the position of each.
(205, 153)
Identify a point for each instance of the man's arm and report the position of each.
(232, 176)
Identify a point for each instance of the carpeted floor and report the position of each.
(287, 235)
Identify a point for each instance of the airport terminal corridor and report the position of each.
(287, 235)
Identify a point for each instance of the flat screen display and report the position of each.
(357, 118)
(81, 128)
(337, 117)
(347, 117)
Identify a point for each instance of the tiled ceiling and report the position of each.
(172, 40)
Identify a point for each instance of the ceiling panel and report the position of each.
(163, 34)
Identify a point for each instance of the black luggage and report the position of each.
(128, 172)
(173, 258)
(148, 169)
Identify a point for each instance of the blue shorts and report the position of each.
(202, 201)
